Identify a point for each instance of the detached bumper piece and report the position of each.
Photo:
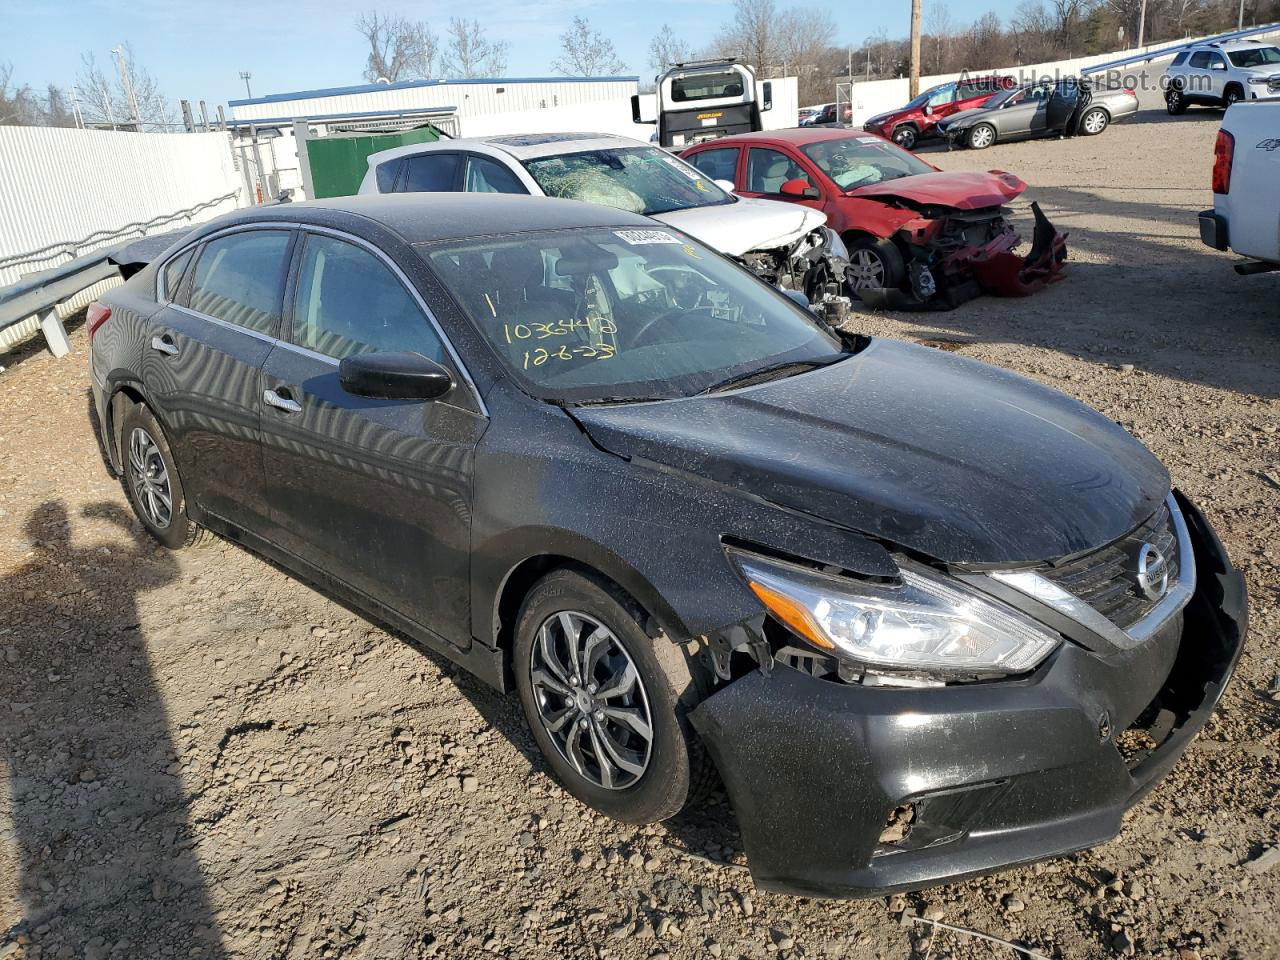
(850, 791)
(1005, 274)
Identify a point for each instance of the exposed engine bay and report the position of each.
(814, 265)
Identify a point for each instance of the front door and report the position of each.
(203, 360)
(767, 170)
(375, 492)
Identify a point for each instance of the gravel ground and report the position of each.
(204, 758)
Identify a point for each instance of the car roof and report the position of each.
(431, 217)
(522, 146)
(796, 136)
(1231, 46)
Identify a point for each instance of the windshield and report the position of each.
(1002, 97)
(706, 86)
(624, 313)
(1259, 57)
(859, 161)
(636, 179)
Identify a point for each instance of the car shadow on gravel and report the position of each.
(104, 841)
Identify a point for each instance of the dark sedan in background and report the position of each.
(924, 618)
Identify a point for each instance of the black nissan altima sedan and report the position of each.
(923, 618)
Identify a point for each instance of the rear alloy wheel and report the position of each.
(874, 264)
(1094, 122)
(151, 480)
(1175, 101)
(982, 136)
(905, 137)
(606, 702)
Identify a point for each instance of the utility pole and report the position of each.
(915, 48)
(1240, 22)
(75, 107)
(1142, 22)
(246, 76)
(126, 84)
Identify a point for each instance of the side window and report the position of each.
(349, 302)
(943, 95)
(240, 278)
(430, 173)
(768, 170)
(489, 176)
(1179, 60)
(385, 175)
(1200, 59)
(174, 271)
(719, 164)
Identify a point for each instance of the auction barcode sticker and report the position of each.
(636, 237)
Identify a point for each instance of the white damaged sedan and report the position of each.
(787, 245)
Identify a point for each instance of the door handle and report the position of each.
(281, 401)
(164, 344)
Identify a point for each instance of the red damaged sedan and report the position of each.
(917, 237)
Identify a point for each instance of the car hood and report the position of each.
(963, 191)
(747, 224)
(880, 118)
(963, 117)
(939, 454)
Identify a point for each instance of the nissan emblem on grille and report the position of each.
(1153, 572)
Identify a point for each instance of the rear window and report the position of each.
(1180, 59)
(706, 86)
(386, 175)
(173, 273)
(430, 173)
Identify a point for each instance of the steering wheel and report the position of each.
(638, 338)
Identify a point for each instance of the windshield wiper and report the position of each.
(763, 374)
(595, 401)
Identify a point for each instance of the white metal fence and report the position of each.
(65, 192)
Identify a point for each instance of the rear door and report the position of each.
(375, 492)
(203, 362)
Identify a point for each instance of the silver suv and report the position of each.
(1220, 74)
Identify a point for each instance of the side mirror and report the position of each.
(798, 298)
(928, 110)
(802, 189)
(635, 110)
(394, 376)
(767, 95)
(728, 186)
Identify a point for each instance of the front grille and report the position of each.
(1107, 579)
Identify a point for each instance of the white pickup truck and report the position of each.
(1246, 186)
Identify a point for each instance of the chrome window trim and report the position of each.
(234, 228)
(343, 235)
(1069, 605)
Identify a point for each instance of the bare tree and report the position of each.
(107, 98)
(586, 52)
(17, 103)
(399, 49)
(55, 112)
(940, 29)
(750, 35)
(666, 48)
(470, 54)
(802, 47)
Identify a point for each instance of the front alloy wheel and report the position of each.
(905, 137)
(982, 136)
(590, 700)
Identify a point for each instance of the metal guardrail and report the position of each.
(1169, 50)
(38, 295)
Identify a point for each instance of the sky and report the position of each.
(196, 51)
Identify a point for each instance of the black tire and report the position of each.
(677, 769)
(1096, 117)
(981, 140)
(142, 441)
(864, 251)
(906, 136)
(1233, 94)
(1175, 101)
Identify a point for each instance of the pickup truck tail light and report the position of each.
(1223, 153)
(96, 316)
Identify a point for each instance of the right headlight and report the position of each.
(927, 623)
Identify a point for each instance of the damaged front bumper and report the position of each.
(845, 790)
(941, 279)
